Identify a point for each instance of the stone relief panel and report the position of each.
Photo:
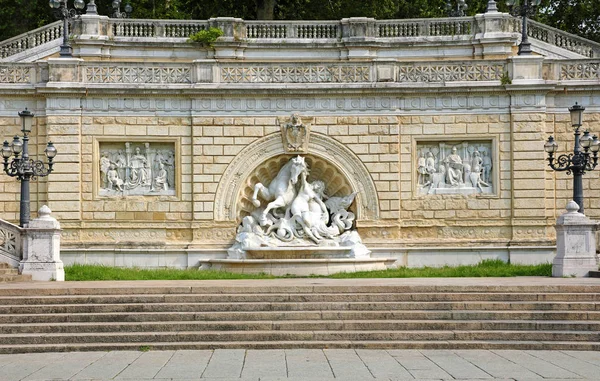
(453, 167)
(137, 169)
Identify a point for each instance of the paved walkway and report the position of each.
(304, 364)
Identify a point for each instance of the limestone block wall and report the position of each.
(520, 211)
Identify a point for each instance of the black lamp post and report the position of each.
(523, 8)
(461, 7)
(578, 162)
(63, 12)
(24, 168)
(116, 4)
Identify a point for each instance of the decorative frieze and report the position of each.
(451, 167)
(138, 74)
(304, 73)
(580, 71)
(451, 72)
(134, 168)
(15, 73)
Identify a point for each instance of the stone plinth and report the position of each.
(41, 248)
(575, 244)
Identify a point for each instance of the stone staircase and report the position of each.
(10, 274)
(139, 317)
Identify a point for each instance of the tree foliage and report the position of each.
(575, 16)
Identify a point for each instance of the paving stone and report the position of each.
(382, 365)
(346, 364)
(570, 363)
(537, 365)
(265, 363)
(418, 365)
(495, 365)
(108, 366)
(25, 364)
(67, 367)
(455, 365)
(147, 365)
(308, 363)
(591, 357)
(227, 363)
(186, 365)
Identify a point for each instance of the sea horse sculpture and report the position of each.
(282, 189)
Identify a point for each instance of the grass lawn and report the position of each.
(488, 268)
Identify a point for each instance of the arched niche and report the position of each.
(260, 161)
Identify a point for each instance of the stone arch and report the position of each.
(341, 162)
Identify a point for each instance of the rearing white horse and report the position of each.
(282, 188)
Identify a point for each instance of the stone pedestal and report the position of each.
(41, 248)
(575, 244)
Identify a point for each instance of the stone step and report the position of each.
(5, 265)
(202, 289)
(308, 306)
(300, 325)
(10, 278)
(384, 344)
(9, 271)
(296, 298)
(297, 315)
(232, 336)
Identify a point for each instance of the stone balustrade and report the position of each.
(346, 30)
(31, 39)
(155, 28)
(10, 243)
(558, 38)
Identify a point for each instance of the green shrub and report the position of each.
(207, 36)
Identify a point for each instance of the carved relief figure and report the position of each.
(453, 169)
(114, 181)
(487, 167)
(139, 169)
(104, 167)
(161, 178)
(300, 214)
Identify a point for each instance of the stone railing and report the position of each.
(559, 38)
(31, 39)
(156, 28)
(293, 29)
(455, 26)
(10, 241)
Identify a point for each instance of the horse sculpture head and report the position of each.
(298, 166)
